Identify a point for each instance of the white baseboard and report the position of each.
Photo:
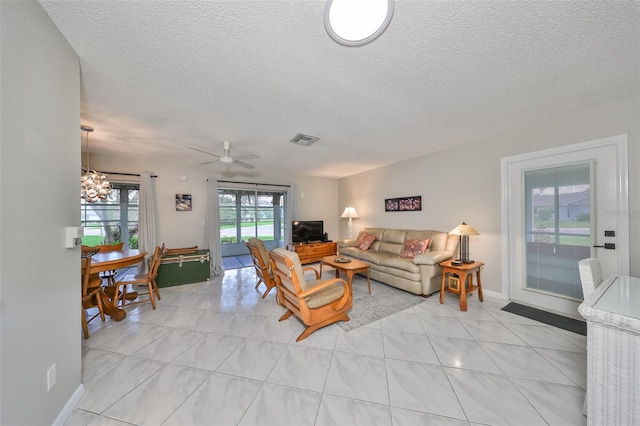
(494, 294)
(69, 406)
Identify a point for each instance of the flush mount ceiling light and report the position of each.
(357, 22)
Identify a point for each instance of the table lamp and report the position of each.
(464, 230)
(350, 213)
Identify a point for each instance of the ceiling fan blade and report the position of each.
(245, 165)
(206, 162)
(245, 156)
(203, 151)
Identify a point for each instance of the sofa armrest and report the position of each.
(432, 257)
(347, 243)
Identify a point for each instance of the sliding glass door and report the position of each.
(247, 214)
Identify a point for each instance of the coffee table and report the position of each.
(349, 269)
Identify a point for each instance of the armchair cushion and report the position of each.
(324, 296)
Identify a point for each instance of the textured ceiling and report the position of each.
(157, 76)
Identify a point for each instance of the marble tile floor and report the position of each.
(215, 354)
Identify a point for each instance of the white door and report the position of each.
(560, 206)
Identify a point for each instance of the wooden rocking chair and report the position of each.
(260, 258)
(317, 303)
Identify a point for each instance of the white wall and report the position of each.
(39, 197)
(463, 184)
(317, 198)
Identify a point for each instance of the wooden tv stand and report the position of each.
(312, 252)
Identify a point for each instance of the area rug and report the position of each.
(383, 301)
(569, 324)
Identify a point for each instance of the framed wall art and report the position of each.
(403, 204)
(183, 202)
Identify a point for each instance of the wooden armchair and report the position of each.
(260, 258)
(148, 279)
(317, 303)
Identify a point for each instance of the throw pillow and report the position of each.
(365, 241)
(413, 247)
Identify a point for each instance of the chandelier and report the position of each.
(95, 185)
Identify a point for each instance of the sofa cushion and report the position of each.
(351, 252)
(376, 257)
(401, 263)
(365, 241)
(414, 247)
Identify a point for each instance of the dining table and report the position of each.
(612, 313)
(109, 261)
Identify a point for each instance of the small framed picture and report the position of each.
(183, 203)
(453, 283)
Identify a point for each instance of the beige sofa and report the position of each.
(420, 274)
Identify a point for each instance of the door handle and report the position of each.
(608, 246)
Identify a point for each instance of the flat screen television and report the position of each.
(307, 230)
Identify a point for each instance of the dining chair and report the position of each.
(261, 262)
(105, 248)
(590, 275)
(316, 303)
(148, 280)
(91, 296)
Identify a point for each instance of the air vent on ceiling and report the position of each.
(304, 140)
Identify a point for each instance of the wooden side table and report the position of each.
(465, 272)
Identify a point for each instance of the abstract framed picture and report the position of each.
(183, 203)
(403, 204)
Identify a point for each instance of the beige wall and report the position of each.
(317, 198)
(463, 184)
(39, 171)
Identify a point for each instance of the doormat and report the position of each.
(566, 323)
(236, 262)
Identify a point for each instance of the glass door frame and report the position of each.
(610, 198)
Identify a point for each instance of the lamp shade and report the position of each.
(350, 212)
(463, 229)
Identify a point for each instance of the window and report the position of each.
(113, 220)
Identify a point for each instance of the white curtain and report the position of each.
(147, 230)
(212, 228)
(291, 212)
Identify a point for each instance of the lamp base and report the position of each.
(464, 250)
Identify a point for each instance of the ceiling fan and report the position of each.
(226, 158)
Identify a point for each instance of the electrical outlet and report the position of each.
(51, 377)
